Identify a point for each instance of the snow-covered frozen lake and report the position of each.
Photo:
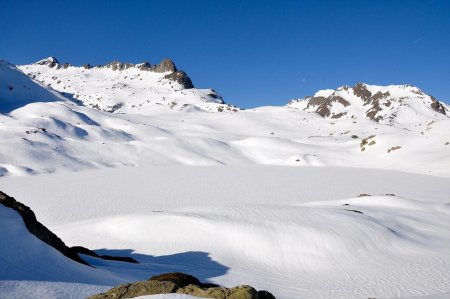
(297, 232)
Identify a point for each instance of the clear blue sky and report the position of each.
(253, 52)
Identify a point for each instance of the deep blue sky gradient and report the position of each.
(253, 52)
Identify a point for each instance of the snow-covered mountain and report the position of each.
(313, 228)
(43, 130)
(384, 104)
(126, 87)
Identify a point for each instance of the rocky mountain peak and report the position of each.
(144, 66)
(378, 103)
(166, 65)
(50, 61)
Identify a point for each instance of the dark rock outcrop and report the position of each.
(181, 283)
(38, 229)
(48, 237)
(437, 106)
(323, 104)
(136, 289)
(145, 66)
(239, 292)
(86, 251)
(361, 91)
(181, 78)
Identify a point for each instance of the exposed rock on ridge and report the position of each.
(165, 66)
(180, 77)
(50, 61)
(378, 103)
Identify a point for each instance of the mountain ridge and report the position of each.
(378, 103)
(126, 87)
(95, 118)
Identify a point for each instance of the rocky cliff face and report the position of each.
(384, 104)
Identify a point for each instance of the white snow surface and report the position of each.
(297, 232)
(58, 134)
(272, 200)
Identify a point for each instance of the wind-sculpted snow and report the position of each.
(323, 227)
(298, 232)
(39, 136)
(48, 137)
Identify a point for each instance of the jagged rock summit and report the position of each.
(126, 87)
(384, 104)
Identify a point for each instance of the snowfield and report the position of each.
(298, 232)
(341, 195)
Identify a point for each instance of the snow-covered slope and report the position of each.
(385, 104)
(17, 89)
(23, 257)
(125, 87)
(59, 134)
(296, 231)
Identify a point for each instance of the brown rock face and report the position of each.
(360, 90)
(323, 105)
(166, 65)
(437, 106)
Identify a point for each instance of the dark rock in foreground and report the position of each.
(38, 229)
(140, 288)
(180, 279)
(48, 237)
(86, 251)
(181, 283)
